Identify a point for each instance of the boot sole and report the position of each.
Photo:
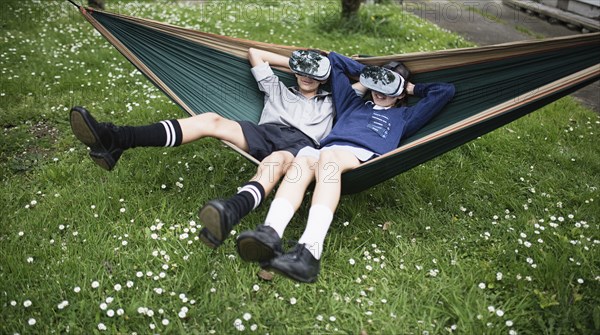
(292, 276)
(251, 249)
(206, 237)
(84, 132)
(103, 160)
(211, 219)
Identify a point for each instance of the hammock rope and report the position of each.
(495, 84)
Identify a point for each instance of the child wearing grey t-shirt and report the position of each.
(291, 119)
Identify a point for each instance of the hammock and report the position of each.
(494, 84)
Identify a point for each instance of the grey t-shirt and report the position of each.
(287, 106)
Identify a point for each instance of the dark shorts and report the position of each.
(267, 138)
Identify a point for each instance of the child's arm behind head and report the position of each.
(258, 57)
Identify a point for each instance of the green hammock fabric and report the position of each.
(495, 85)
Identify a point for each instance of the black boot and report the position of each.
(218, 220)
(259, 245)
(298, 264)
(102, 138)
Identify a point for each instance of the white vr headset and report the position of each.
(382, 80)
(310, 63)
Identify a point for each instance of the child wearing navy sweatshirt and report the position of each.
(363, 130)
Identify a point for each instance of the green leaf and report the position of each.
(596, 317)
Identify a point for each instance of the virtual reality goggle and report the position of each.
(382, 80)
(310, 63)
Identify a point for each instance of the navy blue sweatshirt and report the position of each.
(361, 125)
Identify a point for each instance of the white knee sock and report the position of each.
(319, 219)
(280, 214)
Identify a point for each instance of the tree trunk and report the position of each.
(350, 8)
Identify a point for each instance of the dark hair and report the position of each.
(402, 70)
(399, 68)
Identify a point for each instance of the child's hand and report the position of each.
(410, 88)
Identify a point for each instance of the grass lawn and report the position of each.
(500, 236)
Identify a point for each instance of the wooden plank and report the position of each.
(567, 17)
(590, 2)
